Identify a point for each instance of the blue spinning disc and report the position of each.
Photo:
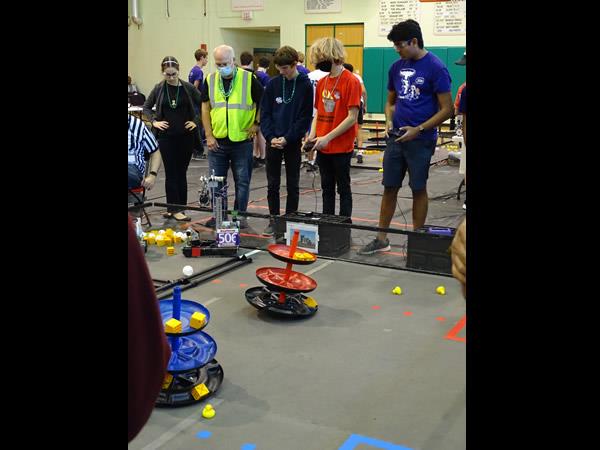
(191, 352)
(188, 308)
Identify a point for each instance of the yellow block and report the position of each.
(381, 170)
(173, 326)
(198, 320)
(170, 251)
(310, 302)
(177, 239)
(151, 240)
(167, 381)
(200, 391)
(169, 232)
(160, 240)
(302, 256)
(168, 241)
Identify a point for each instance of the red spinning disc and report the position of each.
(274, 278)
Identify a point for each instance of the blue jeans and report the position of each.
(134, 177)
(412, 156)
(239, 155)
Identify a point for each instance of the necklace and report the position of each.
(173, 102)
(230, 90)
(327, 94)
(293, 90)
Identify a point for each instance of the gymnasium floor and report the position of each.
(369, 363)
(370, 370)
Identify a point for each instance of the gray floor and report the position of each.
(350, 373)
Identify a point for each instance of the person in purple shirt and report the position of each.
(261, 71)
(196, 77)
(419, 100)
(300, 66)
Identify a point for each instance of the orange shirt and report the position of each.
(457, 101)
(332, 102)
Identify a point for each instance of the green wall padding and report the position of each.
(377, 61)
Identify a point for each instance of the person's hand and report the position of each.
(279, 142)
(149, 181)
(459, 254)
(411, 133)
(306, 141)
(388, 126)
(161, 124)
(252, 131)
(275, 143)
(321, 143)
(189, 125)
(212, 143)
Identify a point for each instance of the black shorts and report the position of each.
(360, 115)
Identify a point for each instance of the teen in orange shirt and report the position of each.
(334, 127)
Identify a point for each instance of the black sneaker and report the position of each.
(359, 159)
(312, 168)
(375, 246)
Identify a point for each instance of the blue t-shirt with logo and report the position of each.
(417, 84)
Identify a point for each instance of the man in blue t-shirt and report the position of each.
(196, 77)
(419, 100)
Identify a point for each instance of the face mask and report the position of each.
(226, 71)
(325, 66)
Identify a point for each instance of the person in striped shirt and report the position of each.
(141, 141)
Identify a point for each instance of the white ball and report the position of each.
(188, 271)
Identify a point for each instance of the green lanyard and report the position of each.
(228, 93)
(293, 90)
(173, 103)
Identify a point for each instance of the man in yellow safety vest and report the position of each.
(230, 101)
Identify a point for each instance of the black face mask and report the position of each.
(325, 66)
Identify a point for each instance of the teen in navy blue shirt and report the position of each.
(285, 117)
(419, 100)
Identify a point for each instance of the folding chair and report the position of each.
(137, 196)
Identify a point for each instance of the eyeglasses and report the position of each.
(402, 44)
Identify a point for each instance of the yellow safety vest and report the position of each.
(229, 117)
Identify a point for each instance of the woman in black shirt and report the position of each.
(174, 126)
